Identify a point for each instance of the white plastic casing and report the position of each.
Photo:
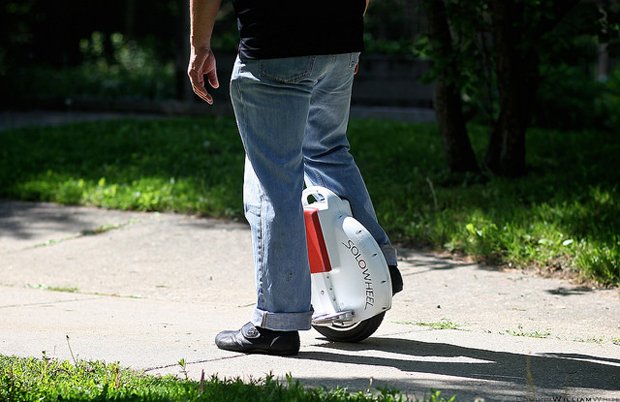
(358, 286)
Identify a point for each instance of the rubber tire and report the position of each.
(355, 333)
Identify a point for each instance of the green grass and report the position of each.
(593, 339)
(63, 289)
(563, 216)
(443, 324)
(30, 379)
(191, 166)
(529, 334)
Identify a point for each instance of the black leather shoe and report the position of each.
(251, 339)
(397, 279)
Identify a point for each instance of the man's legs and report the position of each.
(271, 100)
(327, 159)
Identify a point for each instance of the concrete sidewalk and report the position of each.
(150, 289)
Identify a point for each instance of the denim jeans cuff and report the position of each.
(282, 321)
(389, 253)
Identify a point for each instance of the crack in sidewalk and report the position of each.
(45, 303)
(98, 230)
(165, 366)
(101, 229)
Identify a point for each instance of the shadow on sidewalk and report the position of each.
(548, 373)
(22, 220)
(27, 224)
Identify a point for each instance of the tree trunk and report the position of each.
(447, 96)
(517, 68)
(517, 81)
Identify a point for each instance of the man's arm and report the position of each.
(202, 60)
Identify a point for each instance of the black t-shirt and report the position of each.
(288, 28)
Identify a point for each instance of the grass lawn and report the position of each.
(563, 217)
(29, 379)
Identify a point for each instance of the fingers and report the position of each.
(203, 94)
(213, 81)
(202, 63)
(198, 86)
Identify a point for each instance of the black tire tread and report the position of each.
(356, 334)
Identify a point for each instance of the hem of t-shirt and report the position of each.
(251, 54)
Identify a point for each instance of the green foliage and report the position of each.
(569, 94)
(471, 53)
(390, 27)
(29, 379)
(571, 98)
(132, 71)
(607, 105)
(436, 397)
(563, 216)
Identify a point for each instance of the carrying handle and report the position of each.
(326, 196)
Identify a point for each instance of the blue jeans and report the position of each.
(292, 115)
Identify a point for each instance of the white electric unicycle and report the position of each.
(351, 285)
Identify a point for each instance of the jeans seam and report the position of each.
(258, 211)
(260, 246)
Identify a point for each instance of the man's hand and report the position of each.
(201, 63)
